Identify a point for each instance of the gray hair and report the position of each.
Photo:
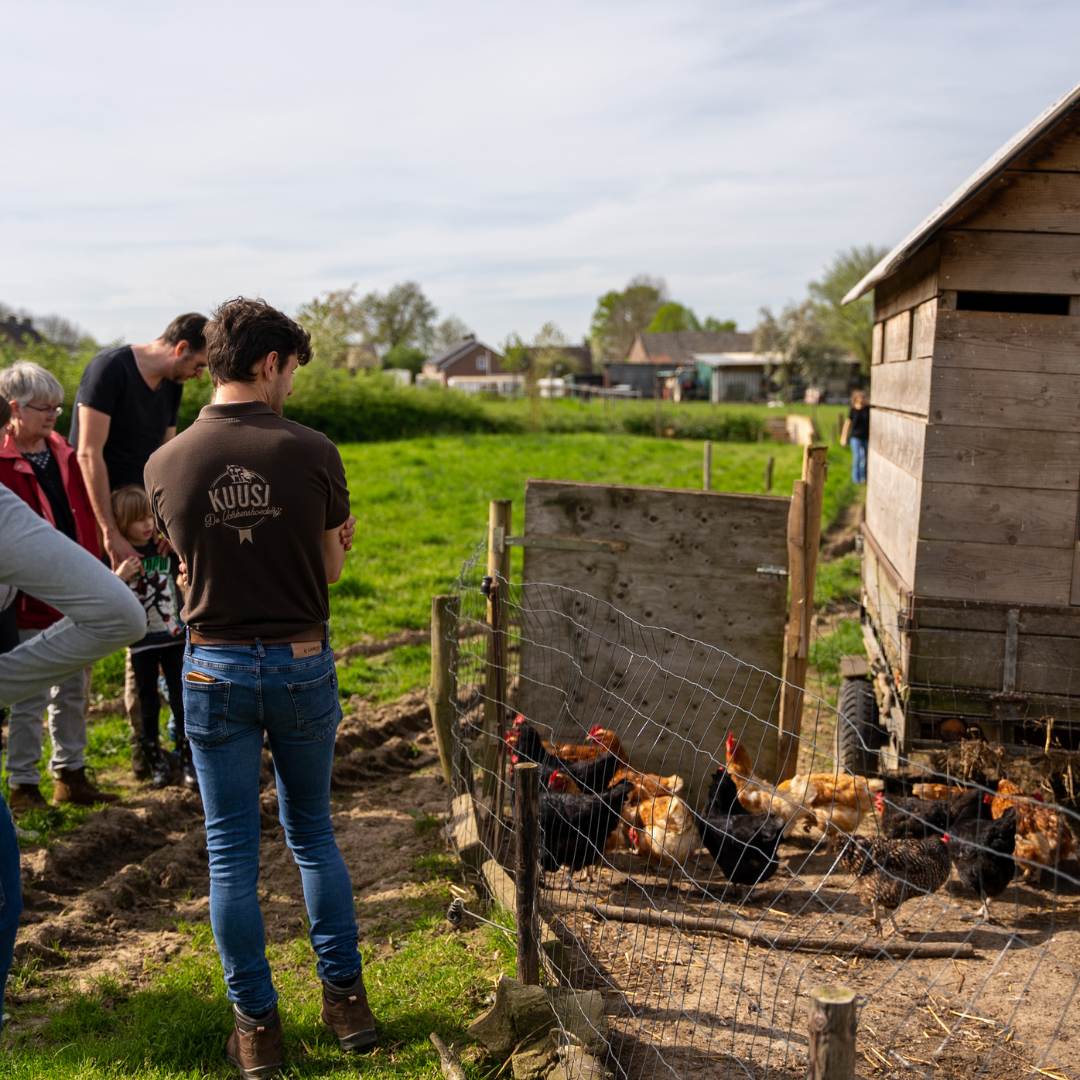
(26, 381)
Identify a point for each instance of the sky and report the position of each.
(518, 160)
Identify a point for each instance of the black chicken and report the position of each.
(743, 844)
(574, 829)
(914, 819)
(982, 851)
(591, 776)
(887, 872)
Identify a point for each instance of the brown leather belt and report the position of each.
(312, 633)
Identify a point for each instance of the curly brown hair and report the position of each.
(244, 332)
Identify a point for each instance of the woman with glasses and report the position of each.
(38, 465)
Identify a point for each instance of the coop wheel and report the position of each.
(857, 733)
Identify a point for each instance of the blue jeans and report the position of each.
(858, 460)
(10, 896)
(296, 701)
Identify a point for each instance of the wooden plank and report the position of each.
(1001, 457)
(978, 571)
(904, 386)
(465, 832)
(1058, 150)
(898, 438)
(1074, 594)
(922, 338)
(898, 338)
(877, 340)
(915, 281)
(1031, 401)
(892, 512)
(1004, 342)
(883, 603)
(1009, 262)
(930, 614)
(1044, 665)
(1013, 516)
(1023, 201)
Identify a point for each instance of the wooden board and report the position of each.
(971, 570)
(978, 397)
(1014, 516)
(1002, 342)
(1009, 262)
(644, 641)
(922, 338)
(898, 438)
(904, 386)
(892, 511)
(1001, 457)
(883, 604)
(1058, 150)
(930, 614)
(915, 281)
(877, 343)
(898, 338)
(1020, 201)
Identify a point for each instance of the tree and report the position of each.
(405, 356)
(673, 317)
(849, 327)
(548, 355)
(797, 343)
(715, 326)
(619, 316)
(404, 316)
(447, 334)
(329, 320)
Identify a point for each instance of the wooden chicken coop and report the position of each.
(971, 556)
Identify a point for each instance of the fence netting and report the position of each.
(705, 973)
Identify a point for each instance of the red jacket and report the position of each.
(17, 474)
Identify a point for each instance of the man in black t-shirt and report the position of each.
(125, 408)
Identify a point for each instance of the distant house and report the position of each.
(580, 357)
(15, 331)
(472, 366)
(681, 347)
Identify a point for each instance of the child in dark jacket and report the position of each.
(153, 577)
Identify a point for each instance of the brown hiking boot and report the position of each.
(254, 1046)
(25, 797)
(72, 786)
(345, 1011)
(140, 767)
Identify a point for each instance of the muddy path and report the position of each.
(106, 898)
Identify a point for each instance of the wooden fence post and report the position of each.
(526, 870)
(498, 568)
(832, 1027)
(706, 467)
(804, 537)
(442, 696)
(768, 473)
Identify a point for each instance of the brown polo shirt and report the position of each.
(245, 497)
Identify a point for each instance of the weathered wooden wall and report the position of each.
(628, 659)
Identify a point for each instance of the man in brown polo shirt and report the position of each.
(258, 509)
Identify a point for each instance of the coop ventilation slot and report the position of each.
(1013, 303)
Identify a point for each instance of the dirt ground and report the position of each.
(105, 899)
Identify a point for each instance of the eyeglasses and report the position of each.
(56, 410)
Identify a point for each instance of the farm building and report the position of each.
(472, 366)
(971, 572)
(15, 331)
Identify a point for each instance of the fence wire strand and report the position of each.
(703, 977)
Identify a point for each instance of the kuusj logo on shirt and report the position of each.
(240, 500)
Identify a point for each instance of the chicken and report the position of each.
(601, 741)
(574, 829)
(662, 829)
(592, 775)
(1042, 836)
(837, 800)
(936, 791)
(914, 819)
(982, 851)
(743, 844)
(648, 785)
(887, 871)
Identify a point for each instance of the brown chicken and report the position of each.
(648, 785)
(600, 741)
(1042, 836)
(662, 830)
(935, 792)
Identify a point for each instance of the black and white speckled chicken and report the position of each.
(743, 844)
(982, 852)
(887, 872)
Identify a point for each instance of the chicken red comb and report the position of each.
(988, 798)
(732, 742)
(519, 719)
(556, 782)
(944, 838)
(1038, 795)
(594, 732)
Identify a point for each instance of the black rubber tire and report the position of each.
(858, 736)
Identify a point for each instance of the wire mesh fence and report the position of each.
(707, 901)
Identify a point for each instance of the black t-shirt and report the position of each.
(245, 497)
(113, 384)
(47, 470)
(860, 423)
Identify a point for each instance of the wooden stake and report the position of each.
(451, 1067)
(706, 468)
(804, 538)
(498, 568)
(768, 473)
(526, 870)
(442, 695)
(832, 1025)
